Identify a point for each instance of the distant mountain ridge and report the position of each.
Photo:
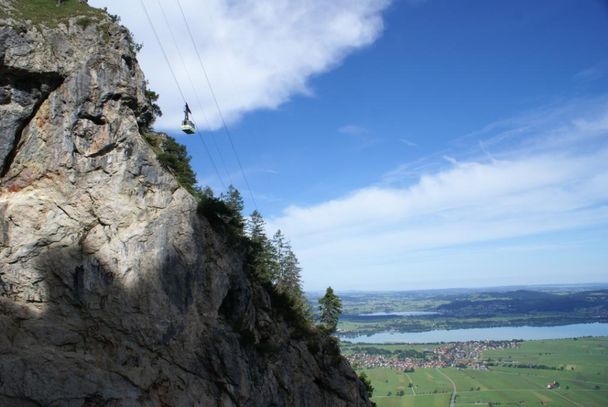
(528, 301)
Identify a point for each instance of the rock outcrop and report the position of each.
(113, 290)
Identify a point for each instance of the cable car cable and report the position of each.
(179, 87)
(198, 99)
(217, 105)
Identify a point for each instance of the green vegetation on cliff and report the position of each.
(49, 13)
(272, 262)
(174, 157)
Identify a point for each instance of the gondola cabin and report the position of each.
(187, 126)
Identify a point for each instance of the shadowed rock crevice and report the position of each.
(21, 93)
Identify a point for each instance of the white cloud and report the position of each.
(352, 130)
(556, 186)
(258, 54)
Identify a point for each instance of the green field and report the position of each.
(350, 347)
(579, 366)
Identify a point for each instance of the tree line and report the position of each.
(276, 263)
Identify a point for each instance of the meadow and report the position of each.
(578, 366)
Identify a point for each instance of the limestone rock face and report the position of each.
(113, 290)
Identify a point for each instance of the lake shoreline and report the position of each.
(372, 325)
(594, 329)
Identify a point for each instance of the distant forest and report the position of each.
(527, 301)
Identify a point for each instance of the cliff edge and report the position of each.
(113, 290)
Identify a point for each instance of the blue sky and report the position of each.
(405, 144)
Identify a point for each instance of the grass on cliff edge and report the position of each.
(46, 12)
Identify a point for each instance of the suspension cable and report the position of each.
(179, 88)
(217, 105)
(198, 99)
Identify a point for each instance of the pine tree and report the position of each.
(279, 245)
(256, 226)
(234, 202)
(264, 258)
(284, 259)
(207, 193)
(331, 309)
(290, 281)
(288, 278)
(233, 199)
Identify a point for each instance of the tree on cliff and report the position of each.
(264, 263)
(287, 275)
(331, 309)
(289, 280)
(280, 245)
(234, 201)
(256, 226)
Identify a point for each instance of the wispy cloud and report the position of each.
(353, 130)
(593, 73)
(408, 143)
(258, 54)
(360, 134)
(554, 178)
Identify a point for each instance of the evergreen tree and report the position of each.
(292, 283)
(207, 193)
(289, 280)
(233, 199)
(256, 226)
(331, 309)
(264, 263)
(234, 202)
(280, 246)
(287, 276)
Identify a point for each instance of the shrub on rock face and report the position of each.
(174, 157)
(368, 384)
(220, 215)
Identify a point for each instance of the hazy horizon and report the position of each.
(592, 285)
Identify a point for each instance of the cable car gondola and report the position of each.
(188, 126)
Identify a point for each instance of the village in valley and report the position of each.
(458, 355)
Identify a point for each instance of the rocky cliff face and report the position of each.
(113, 291)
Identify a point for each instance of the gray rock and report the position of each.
(113, 291)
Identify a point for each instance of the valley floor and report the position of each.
(577, 369)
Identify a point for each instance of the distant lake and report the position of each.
(480, 334)
(399, 314)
